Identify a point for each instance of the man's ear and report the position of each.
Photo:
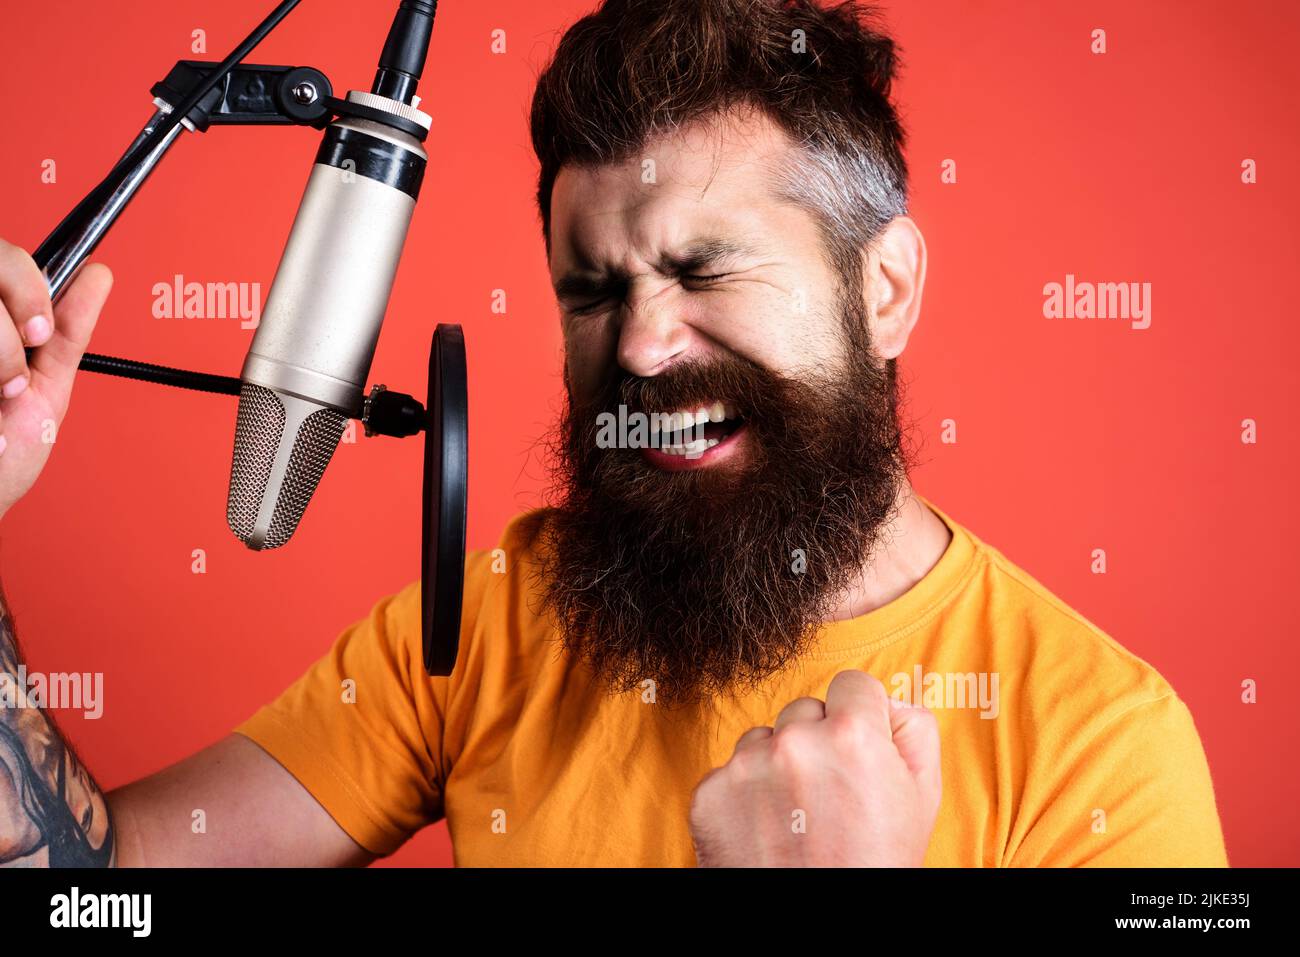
(893, 278)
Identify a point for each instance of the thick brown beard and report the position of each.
(689, 578)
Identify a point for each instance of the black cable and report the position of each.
(162, 375)
(149, 372)
(402, 63)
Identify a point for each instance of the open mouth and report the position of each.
(693, 433)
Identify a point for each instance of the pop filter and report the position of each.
(446, 480)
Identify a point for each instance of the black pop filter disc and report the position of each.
(446, 481)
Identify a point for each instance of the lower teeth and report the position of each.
(691, 449)
(696, 447)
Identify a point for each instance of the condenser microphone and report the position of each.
(306, 370)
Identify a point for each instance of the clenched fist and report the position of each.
(851, 782)
(34, 394)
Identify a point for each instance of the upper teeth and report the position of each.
(689, 419)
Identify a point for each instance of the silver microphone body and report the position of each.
(305, 374)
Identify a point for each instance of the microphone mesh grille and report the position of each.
(257, 437)
(312, 451)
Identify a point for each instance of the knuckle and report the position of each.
(849, 676)
(20, 273)
(848, 728)
(13, 362)
(863, 678)
(793, 748)
(870, 680)
(703, 786)
(11, 258)
(874, 688)
(922, 718)
(710, 786)
(801, 706)
(744, 766)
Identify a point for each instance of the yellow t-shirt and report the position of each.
(1059, 747)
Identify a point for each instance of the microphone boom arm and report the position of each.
(245, 95)
(198, 94)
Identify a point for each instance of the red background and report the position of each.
(1072, 435)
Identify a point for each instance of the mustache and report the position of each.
(736, 380)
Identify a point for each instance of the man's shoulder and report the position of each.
(522, 536)
(502, 581)
(1099, 730)
(515, 554)
(1056, 654)
(1096, 726)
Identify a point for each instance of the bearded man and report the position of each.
(744, 639)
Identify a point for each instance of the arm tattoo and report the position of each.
(51, 811)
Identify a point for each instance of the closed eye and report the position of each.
(690, 278)
(585, 308)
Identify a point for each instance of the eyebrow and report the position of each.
(707, 251)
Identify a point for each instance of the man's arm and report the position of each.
(230, 804)
(254, 813)
(51, 811)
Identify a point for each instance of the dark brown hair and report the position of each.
(635, 69)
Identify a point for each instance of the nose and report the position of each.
(651, 335)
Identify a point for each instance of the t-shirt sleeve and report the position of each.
(1136, 793)
(362, 729)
